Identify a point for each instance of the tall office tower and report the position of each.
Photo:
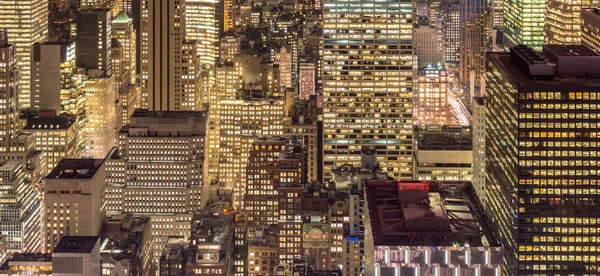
(541, 158)
(20, 217)
(368, 101)
(308, 80)
(73, 200)
(124, 33)
(160, 157)
(590, 29)
(478, 178)
(284, 60)
(228, 7)
(431, 96)
(9, 92)
(524, 23)
(473, 39)
(27, 23)
(426, 44)
(55, 81)
(242, 120)
(203, 25)
(564, 19)
(56, 136)
(166, 67)
(450, 32)
(497, 13)
(94, 35)
(100, 125)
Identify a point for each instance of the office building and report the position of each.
(450, 26)
(431, 106)
(303, 124)
(173, 257)
(73, 200)
(426, 44)
(426, 228)
(27, 23)
(472, 43)
(159, 229)
(524, 23)
(590, 28)
(94, 35)
(56, 136)
(85, 5)
(20, 218)
(308, 80)
(56, 83)
(478, 177)
(100, 125)
(284, 60)
(77, 255)
(203, 25)
(262, 251)
(230, 46)
(242, 120)
(124, 67)
(9, 90)
(227, 14)
(368, 102)
(443, 153)
(160, 156)
(169, 69)
(564, 20)
(541, 164)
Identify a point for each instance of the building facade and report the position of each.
(368, 102)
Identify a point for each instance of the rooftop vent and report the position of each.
(531, 61)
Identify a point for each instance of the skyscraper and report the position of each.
(449, 25)
(563, 20)
(542, 160)
(94, 35)
(472, 43)
(124, 33)
(9, 89)
(169, 71)
(524, 23)
(367, 84)
(27, 23)
(203, 24)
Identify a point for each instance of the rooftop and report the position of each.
(173, 249)
(46, 258)
(444, 138)
(49, 123)
(139, 113)
(414, 213)
(214, 228)
(9, 165)
(76, 168)
(525, 82)
(76, 244)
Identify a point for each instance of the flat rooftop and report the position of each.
(49, 123)
(444, 138)
(46, 258)
(524, 82)
(571, 50)
(434, 213)
(9, 165)
(76, 168)
(76, 244)
(166, 114)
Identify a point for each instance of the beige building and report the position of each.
(169, 68)
(124, 66)
(443, 153)
(100, 126)
(242, 120)
(73, 200)
(56, 136)
(159, 165)
(431, 107)
(203, 25)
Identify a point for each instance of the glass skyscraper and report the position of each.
(367, 83)
(542, 138)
